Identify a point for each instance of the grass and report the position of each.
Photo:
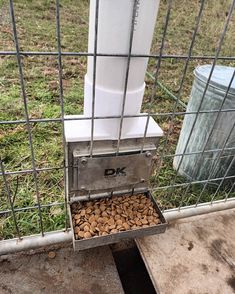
(37, 32)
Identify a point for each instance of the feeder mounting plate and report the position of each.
(111, 172)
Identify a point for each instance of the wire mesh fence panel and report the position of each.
(43, 57)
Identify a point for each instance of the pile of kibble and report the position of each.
(112, 215)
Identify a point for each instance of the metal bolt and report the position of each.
(84, 160)
(148, 154)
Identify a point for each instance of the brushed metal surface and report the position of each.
(109, 172)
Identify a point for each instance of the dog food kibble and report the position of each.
(52, 254)
(113, 215)
(87, 235)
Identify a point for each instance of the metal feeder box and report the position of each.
(116, 237)
(97, 165)
(107, 174)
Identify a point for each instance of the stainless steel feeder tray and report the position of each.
(116, 237)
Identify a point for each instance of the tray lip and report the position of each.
(120, 235)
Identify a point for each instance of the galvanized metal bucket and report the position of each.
(209, 136)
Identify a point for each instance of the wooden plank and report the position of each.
(195, 255)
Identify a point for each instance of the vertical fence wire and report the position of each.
(127, 72)
(158, 65)
(229, 192)
(94, 76)
(175, 106)
(222, 181)
(61, 94)
(9, 197)
(25, 100)
(215, 163)
(205, 90)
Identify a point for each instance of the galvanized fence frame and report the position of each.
(47, 238)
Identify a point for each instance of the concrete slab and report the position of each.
(195, 256)
(86, 272)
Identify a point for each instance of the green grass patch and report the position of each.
(36, 26)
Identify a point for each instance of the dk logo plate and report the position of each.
(107, 172)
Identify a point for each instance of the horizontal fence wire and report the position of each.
(43, 206)
(59, 120)
(164, 154)
(46, 169)
(86, 54)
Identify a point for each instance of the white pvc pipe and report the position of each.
(53, 238)
(34, 242)
(114, 28)
(202, 208)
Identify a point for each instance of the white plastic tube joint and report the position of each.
(114, 28)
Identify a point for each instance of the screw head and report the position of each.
(84, 160)
(148, 154)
